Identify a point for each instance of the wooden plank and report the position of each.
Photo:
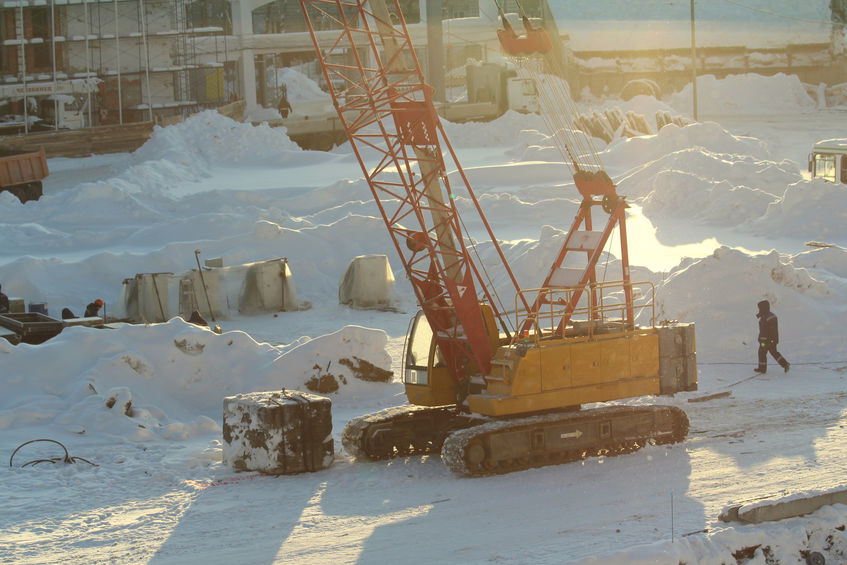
(80, 143)
(710, 396)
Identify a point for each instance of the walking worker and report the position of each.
(768, 338)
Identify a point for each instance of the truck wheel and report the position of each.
(33, 191)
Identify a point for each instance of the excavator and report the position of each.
(498, 378)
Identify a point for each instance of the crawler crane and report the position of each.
(493, 389)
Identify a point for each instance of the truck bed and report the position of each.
(21, 174)
(31, 327)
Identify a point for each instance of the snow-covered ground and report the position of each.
(722, 212)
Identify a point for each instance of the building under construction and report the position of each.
(83, 63)
(80, 63)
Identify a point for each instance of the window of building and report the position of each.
(210, 13)
(39, 56)
(460, 9)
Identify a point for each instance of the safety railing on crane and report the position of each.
(602, 310)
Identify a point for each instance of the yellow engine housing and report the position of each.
(561, 372)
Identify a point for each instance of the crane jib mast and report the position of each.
(386, 107)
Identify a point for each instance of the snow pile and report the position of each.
(745, 94)
(210, 139)
(824, 205)
(496, 133)
(707, 137)
(167, 381)
(720, 293)
(299, 87)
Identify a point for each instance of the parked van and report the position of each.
(828, 160)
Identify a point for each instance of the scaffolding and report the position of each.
(80, 63)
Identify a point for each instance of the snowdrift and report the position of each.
(167, 381)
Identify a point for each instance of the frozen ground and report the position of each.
(723, 208)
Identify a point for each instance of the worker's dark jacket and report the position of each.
(4, 303)
(92, 310)
(768, 326)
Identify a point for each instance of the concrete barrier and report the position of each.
(781, 509)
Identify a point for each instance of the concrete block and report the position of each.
(279, 433)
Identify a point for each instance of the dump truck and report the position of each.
(22, 173)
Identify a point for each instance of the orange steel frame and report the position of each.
(386, 109)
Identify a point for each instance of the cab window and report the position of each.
(825, 167)
(417, 352)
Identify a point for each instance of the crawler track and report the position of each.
(504, 446)
(403, 430)
(477, 446)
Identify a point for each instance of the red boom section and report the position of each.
(387, 110)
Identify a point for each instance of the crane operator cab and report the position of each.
(426, 377)
(828, 160)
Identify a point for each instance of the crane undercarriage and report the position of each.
(476, 445)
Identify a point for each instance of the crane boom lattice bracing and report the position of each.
(387, 111)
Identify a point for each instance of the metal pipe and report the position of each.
(283, 267)
(158, 297)
(203, 280)
(118, 65)
(143, 22)
(87, 61)
(23, 65)
(693, 62)
(53, 57)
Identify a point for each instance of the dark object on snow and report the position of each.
(32, 327)
(40, 307)
(4, 302)
(67, 314)
(66, 459)
(278, 433)
(815, 558)
(197, 319)
(284, 105)
(768, 338)
(93, 309)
